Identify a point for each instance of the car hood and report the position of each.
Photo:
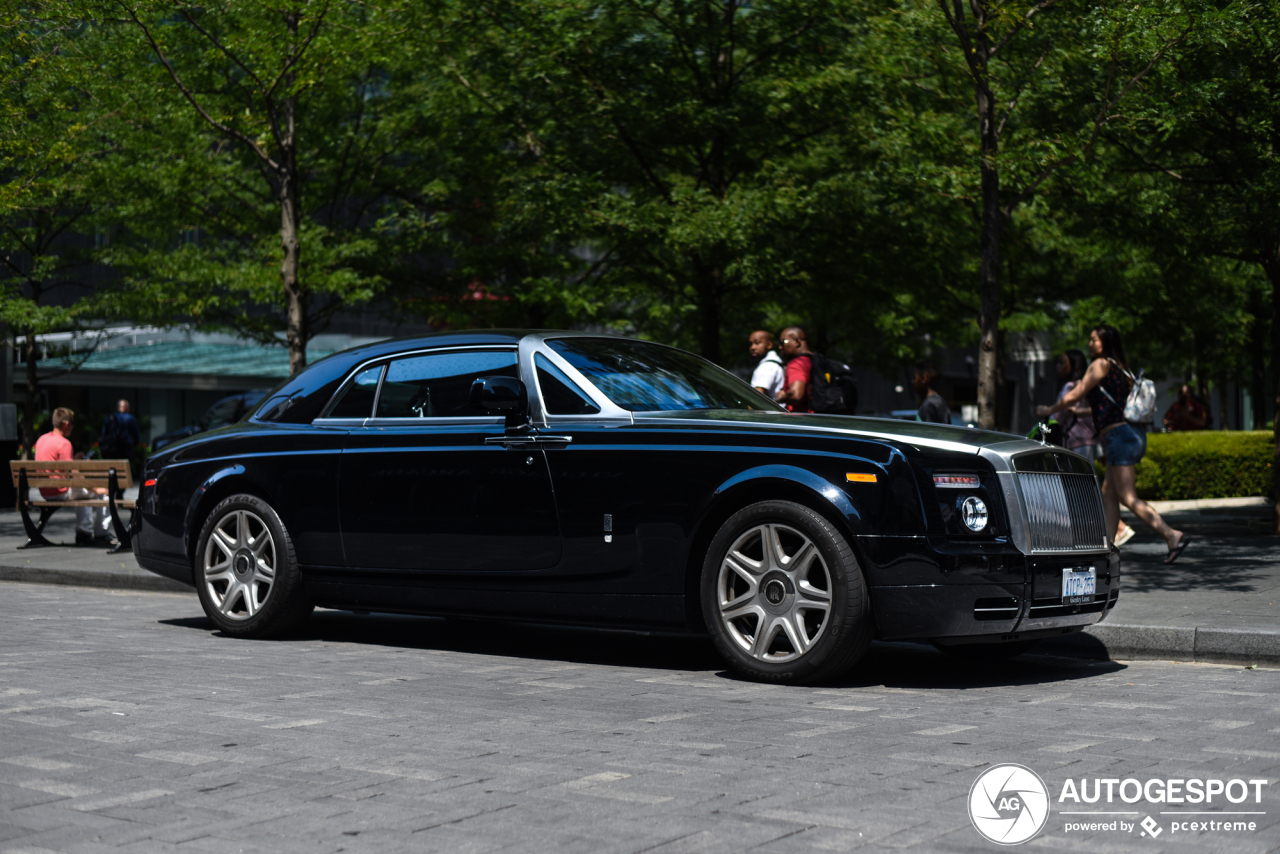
(941, 436)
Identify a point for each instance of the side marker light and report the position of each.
(854, 477)
(151, 482)
(960, 481)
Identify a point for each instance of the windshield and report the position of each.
(643, 377)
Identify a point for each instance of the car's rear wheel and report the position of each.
(246, 573)
(783, 595)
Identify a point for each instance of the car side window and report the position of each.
(221, 415)
(438, 385)
(357, 398)
(560, 396)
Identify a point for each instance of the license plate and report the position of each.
(1078, 586)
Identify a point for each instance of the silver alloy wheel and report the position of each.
(239, 564)
(774, 593)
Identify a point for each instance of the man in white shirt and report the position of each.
(768, 375)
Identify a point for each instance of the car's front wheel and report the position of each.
(783, 595)
(246, 573)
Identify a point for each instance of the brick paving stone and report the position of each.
(127, 724)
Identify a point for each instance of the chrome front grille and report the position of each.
(1064, 512)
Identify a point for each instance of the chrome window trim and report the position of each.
(348, 423)
(437, 421)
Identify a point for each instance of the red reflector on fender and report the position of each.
(151, 482)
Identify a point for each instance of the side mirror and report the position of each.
(498, 394)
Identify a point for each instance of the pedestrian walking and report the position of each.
(798, 371)
(933, 407)
(768, 375)
(1186, 413)
(1106, 386)
(1080, 436)
(120, 434)
(92, 523)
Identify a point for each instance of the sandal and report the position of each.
(1124, 536)
(1177, 550)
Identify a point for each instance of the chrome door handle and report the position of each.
(528, 441)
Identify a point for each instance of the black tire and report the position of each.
(980, 652)
(236, 590)
(831, 641)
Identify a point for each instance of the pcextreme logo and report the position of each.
(1009, 804)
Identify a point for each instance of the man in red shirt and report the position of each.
(795, 385)
(1187, 413)
(91, 522)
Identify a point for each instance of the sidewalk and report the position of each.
(67, 564)
(1219, 603)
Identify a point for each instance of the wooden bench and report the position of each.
(113, 475)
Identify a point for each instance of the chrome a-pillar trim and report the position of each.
(535, 345)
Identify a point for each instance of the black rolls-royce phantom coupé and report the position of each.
(595, 480)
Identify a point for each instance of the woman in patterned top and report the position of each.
(1106, 387)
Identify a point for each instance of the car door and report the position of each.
(427, 484)
(613, 513)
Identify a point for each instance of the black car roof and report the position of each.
(469, 337)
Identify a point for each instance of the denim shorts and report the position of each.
(1124, 445)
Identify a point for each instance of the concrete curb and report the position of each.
(1111, 641)
(89, 578)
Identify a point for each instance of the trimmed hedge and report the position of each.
(1207, 464)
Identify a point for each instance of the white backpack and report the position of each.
(1140, 406)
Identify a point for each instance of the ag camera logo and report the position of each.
(1008, 804)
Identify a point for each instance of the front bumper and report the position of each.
(971, 598)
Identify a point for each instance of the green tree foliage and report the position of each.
(1044, 81)
(55, 147)
(263, 140)
(892, 174)
(672, 154)
(1203, 148)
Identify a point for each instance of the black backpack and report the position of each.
(832, 387)
(112, 444)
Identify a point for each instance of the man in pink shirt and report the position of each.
(794, 393)
(91, 522)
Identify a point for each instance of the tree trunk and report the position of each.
(33, 390)
(989, 305)
(1201, 385)
(1224, 405)
(1258, 360)
(710, 311)
(297, 296)
(992, 223)
(1004, 401)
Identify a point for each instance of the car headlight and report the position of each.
(973, 512)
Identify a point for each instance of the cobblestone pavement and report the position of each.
(127, 724)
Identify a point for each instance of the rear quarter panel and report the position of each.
(292, 467)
